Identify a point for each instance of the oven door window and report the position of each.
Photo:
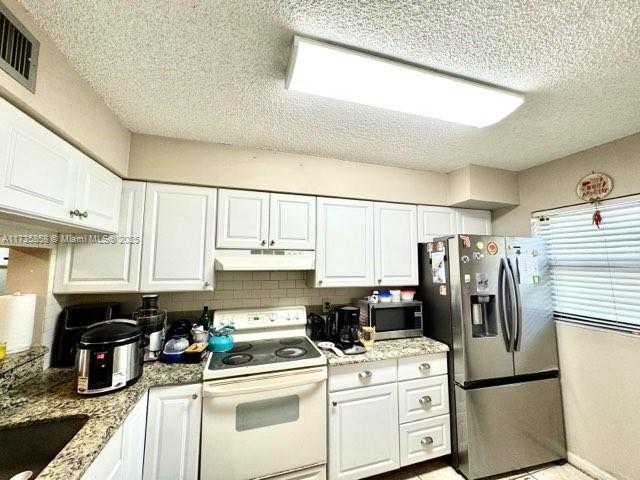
(400, 318)
(266, 413)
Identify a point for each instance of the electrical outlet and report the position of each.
(326, 305)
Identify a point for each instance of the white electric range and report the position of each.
(265, 399)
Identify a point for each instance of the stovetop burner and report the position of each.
(240, 347)
(291, 352)
(274, 351)
(237, 359)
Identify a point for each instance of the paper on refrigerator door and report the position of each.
(529, 267)
(438, 271)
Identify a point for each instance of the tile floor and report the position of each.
(438, 470)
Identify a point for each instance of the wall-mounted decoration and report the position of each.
(593, 188)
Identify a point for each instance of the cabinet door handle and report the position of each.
(424, 366)
(334, 403)
(272, 242)
(426, 441)
(194, 396)
(364, 375)
(206, 284)
(263, 243)
(84, 214)
(379, 280)
(75, 213)
(425, 400)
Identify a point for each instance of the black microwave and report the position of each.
(392, 320)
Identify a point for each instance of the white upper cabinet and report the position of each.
(178, 238)
(84, 268)
(256, 220)
(38, 171)
(97, 196)
(435, 222)
(473, 222)
(44, 177)
(345, 246)
(292, 222)
(396, 244)
(243, 219)
(442, 221)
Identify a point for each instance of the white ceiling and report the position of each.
(214, 71)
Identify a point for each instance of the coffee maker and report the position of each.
(343, 326)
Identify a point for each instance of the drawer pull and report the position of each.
(364, 375)
(426, 400)
(426, 441)
(424, 366)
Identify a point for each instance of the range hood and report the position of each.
(252, 260)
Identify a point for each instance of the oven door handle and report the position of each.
(263, 384)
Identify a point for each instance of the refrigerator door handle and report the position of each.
(513, 304)
(518, 332)
(502, 295)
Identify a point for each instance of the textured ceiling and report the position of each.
(214, 71)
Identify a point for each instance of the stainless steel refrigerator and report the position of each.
(489, 299)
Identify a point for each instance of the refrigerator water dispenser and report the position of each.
(484, 316)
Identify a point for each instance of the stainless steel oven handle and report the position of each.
(256, 385)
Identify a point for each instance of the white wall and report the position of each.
(66, 104)
(600, 370)
(199, 163)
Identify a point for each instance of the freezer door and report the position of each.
(509, 427)
(535, 347)
(480, 351)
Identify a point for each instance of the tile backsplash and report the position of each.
(238, 290)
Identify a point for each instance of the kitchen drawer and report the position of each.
(424, 439)
(362, 375)
(422, 366)
(423, 398)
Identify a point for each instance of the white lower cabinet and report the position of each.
(423, 398)
(108, 464)
(387, 414)
(314, 473)
(133, 434)
(424, 439)
(172, 446)
(121, 458)
(363, 432)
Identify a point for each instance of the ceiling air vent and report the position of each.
(18, 50)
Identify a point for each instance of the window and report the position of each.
(595, 273)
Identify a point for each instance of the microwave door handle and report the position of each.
(513, 314)
(518, 297)
(262, 385)
(502, 296)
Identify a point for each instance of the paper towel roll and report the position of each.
(17, 316)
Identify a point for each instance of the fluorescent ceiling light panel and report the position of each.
(336, 72)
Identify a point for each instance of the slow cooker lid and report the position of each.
(111, 331)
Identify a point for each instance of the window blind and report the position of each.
(595, 273)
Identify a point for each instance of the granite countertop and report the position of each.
(13, 360)
(387, 349)
(50, 396)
